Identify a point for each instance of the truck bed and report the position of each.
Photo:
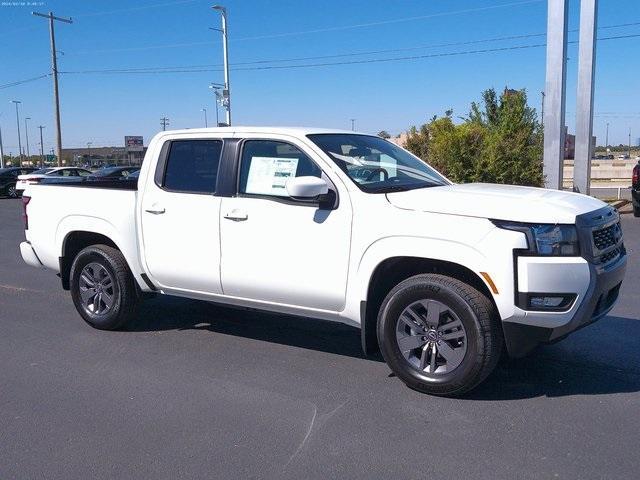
(85, 182)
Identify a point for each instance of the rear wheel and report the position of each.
(12, 192)
(636, 211)
(439, 335)
(103, 288)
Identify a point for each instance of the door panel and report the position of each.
(180, 229)
(284, 253)
(276, 249)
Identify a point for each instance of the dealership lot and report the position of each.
(194, 390)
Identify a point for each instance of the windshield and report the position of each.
(375, 165)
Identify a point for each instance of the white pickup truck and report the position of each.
(335, 225)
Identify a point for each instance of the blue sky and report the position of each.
(102, 107)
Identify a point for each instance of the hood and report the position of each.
(500, 202)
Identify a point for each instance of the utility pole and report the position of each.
(41, 147)
(607, 138)
(629, 152)
(205, 117)
(226, 93)
(54, 73)
(353, 124)
(164, 121)
(18, 102)
(26, 135)
(542, 109)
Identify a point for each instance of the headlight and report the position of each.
(547, 239)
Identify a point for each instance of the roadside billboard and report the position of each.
(133, 143)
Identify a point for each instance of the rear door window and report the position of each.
(192, 166)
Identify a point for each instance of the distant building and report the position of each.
(98, 156)
(570, 144)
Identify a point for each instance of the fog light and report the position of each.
(550, 302)
(546, 302)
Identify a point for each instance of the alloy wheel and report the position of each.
(96, 289)
(431, 337)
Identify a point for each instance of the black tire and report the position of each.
(123, 293)
(484, 338)
(636, 211)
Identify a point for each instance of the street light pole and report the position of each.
(54, 73)
(89, 148)
(225, 52)
(353, 124)
(607, 137)
(41, 147)
(18, 102)
(26, 135)
(205, 117)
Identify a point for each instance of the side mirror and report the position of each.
(306, 187)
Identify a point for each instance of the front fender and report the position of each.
(491, 254)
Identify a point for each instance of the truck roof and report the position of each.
(295, 131)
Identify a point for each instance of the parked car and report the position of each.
(340, 226)
(114, 173)
(635, 189)
(8, 179)
(46, 173)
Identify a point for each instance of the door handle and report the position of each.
(155, 211)
(236, 215)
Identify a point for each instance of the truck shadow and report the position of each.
(601, 359)
(173, 313)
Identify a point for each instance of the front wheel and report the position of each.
(439, 335)
(12, 192)
(636, 211)
(103, 288)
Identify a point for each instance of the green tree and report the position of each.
(499, 142)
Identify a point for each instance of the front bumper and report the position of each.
(594, 279)
(598, 299)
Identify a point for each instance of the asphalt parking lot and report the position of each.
(194, 390)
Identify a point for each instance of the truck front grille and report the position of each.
(612, 255)
(607, 237)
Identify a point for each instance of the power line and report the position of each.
(207, 67)
(341, 55)
(326, 64)
(387, 22)
(323, 30)
(20, 82)
(133, 9)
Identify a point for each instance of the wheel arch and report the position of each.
(393, 270)
(72, 243)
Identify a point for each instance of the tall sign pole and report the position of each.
(584, 105)
(555, 92)
(54, 73)
(226, 93)
(18, 102)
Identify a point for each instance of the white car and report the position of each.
(340, 226)
(53, 172)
